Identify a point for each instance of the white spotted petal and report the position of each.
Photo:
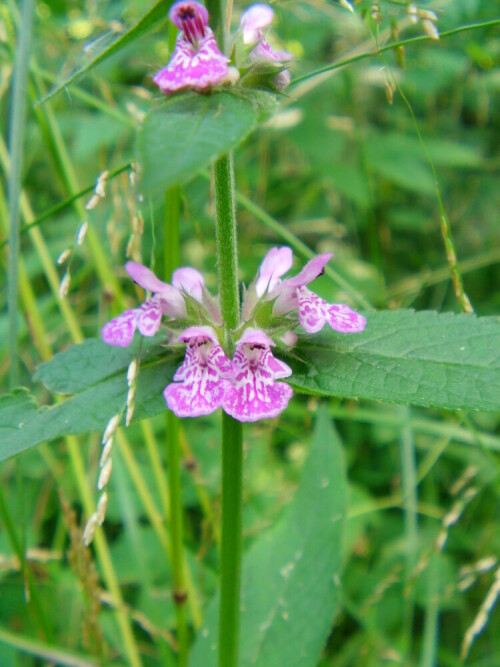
(254, 394)
(200, 382)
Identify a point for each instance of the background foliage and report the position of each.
(339, 167)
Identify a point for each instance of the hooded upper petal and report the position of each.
(287, 297)
(145, 277)
(314, 268)
(171, 301)
(274, 265)
(253, 20)
(190, 280)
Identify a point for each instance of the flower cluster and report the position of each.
(246, 386)
(198, 64)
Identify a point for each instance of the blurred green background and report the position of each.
(341, 167)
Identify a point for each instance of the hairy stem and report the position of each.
(171, 250)
(232, 431)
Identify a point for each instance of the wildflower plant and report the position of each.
(242, 352)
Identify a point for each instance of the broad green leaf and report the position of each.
(187, 133)
(155, 16)
(98, 374)
(447, 361)
(83, 366)
(290, 576)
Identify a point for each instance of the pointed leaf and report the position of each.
(102, 390)
(290, 577)
(447, 361)
(187, 133)
(155, 16)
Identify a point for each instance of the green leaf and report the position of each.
(155, 16)
(187, 133)
(447, 361)
(290, 577)
(97, 373)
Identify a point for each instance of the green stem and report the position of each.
(449, 244)
(16, 136)
(171, 249)
(410, 505)
(231, 547)
(232, 430)
(342, 62)
(226, 242)
(177, 535)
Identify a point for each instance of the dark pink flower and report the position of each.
(166, 300)
(200, 383)
(253, 393)
(196, 62)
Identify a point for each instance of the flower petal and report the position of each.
(313, 310)
(199, 385)
(252, 405)
(189, 400)
(203, 332)
(190, 68)
(314, 268)
(145, 277)
(254, 394)
(279, 368)
(190, 280)
(190, 17)
(343, 319)
(253, 20)
(287, 297)
(120, 330)
(149, 317)
(253, 336)
(275, 264)
(264, 51)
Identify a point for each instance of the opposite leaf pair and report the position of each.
(245, 387)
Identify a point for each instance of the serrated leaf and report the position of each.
(447, 361)
(290, 576)
(155, 16)
(187, 133)
(82, 366)
(102, 391)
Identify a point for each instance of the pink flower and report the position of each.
(196, 62)
(275, 264)
(252, 21)
(292, 293)
(254, 394)
(200, 383)
(166, 300)
(315, 312)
